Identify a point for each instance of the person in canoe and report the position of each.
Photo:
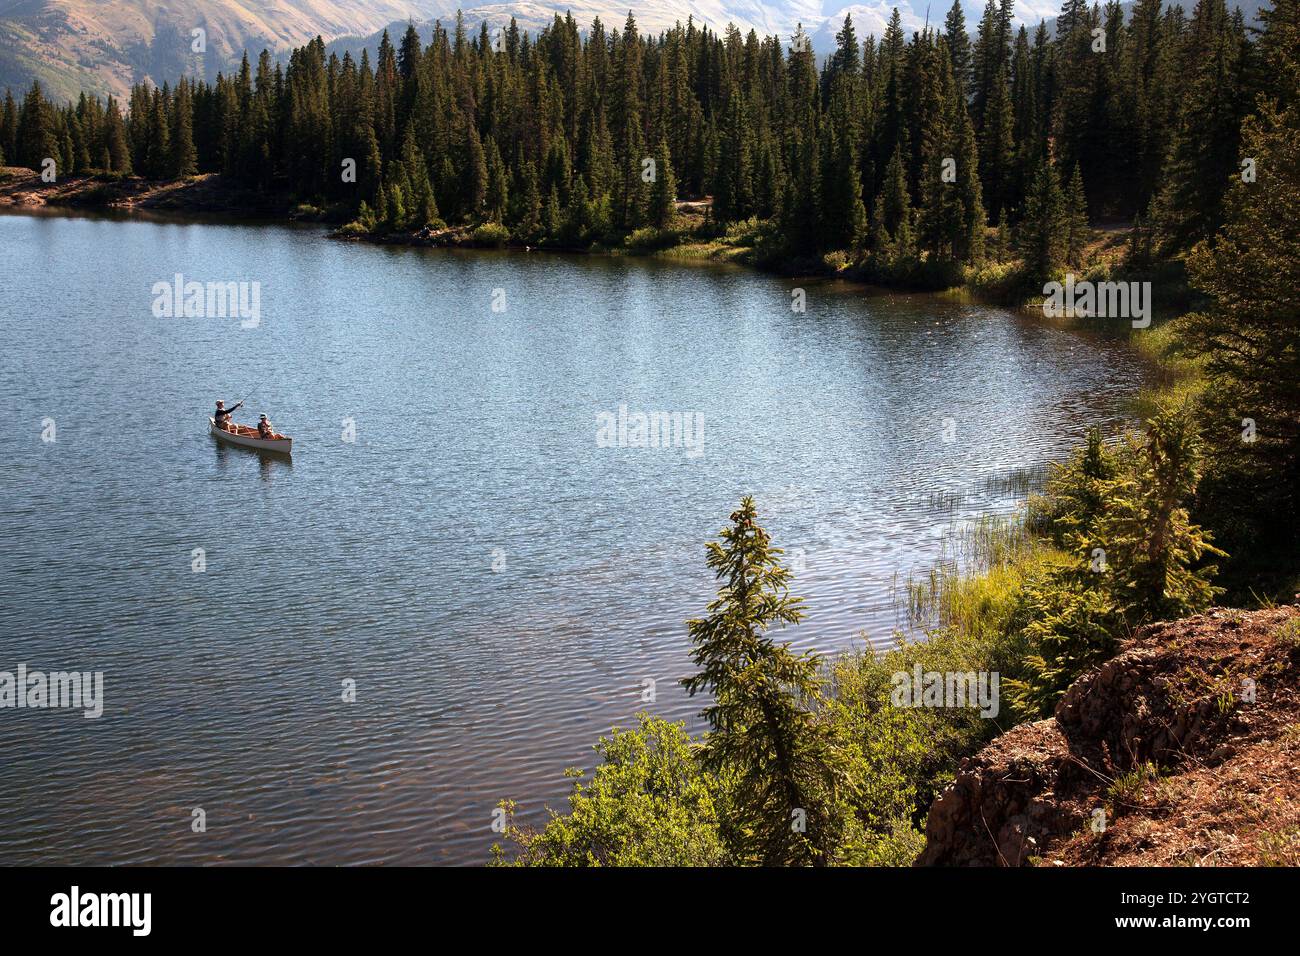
(264, 429)
(222, 417)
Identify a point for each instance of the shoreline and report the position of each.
(998, 283)
(210, 194)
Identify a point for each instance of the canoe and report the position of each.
(247, 437)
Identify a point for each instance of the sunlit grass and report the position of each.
(975, 586)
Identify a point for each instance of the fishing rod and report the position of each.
(251, 392)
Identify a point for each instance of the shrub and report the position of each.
(1071, 627)
(354, 228)
(1076, 491)
(650, 239)
(490, 234)
(648, 804)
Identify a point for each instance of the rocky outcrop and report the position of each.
(206, 193)
(1184, 748)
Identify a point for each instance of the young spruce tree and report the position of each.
(765, 733)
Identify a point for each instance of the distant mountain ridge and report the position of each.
(104, 46)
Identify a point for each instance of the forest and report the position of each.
(908, 154)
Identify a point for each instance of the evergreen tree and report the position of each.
(497, 196)
(1152, 547)
(9, 127)
(1204, 151)
(1042, 239)
(1249, 335)
(894, 202)
(159, 154)
(474, 191)
(552, 215)
(184, 160)
(35, 136)
(1076, 220)
(959, 48)
(663, 193)
(528, 218)
(764, 727)
(733, 183)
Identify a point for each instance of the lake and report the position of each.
(466, 539)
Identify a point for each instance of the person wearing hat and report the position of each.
(264, 429)
(222, 417)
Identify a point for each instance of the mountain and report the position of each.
(652, 16)
(104, 46)
(821, 19)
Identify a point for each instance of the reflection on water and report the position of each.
(497, 586)
(269, 462)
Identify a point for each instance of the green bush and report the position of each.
(354, 228)
(490, 234)
(648, 804)
(651, 239)
(1071, 627)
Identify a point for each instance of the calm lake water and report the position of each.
(498, 585)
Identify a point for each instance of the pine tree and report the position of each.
(1249, 335)
(1136, 555)
(1204, 151)
(663, 193)
(528, 218)
(959, 48)
(383, 213)
(423, 203)
(630, 191)
(184, 160)
(1073, 14)
(476, 178)
(997, 145)
(970, 240)
(497, 196)
(1152, 547)
(1043, 234)
(894, 201)
(158, 158)
(1076, 219)
(764, 728)
(9, 127)
(399, 213)
(733, 186)
(552, 215)
(35, 137)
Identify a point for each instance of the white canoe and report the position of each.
(281, 445)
